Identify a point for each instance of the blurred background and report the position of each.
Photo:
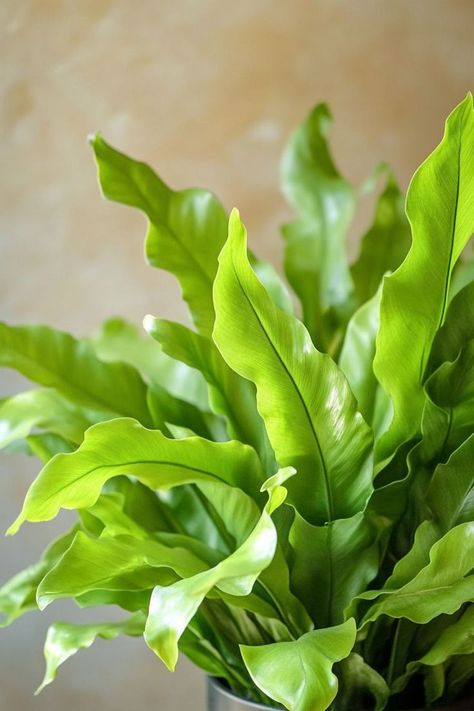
(207, 92)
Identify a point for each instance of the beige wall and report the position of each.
(206, 91)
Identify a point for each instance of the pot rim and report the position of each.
(215, 682)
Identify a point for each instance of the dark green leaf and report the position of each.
(457, 329)
(315, 259)
(441, 587)
(332, 564)
(357, 680)
(457, 638)
(385, 245)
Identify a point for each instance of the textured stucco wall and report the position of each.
(206, 91)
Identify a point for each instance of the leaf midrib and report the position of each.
(157, 462)
(151, 211)
(330, 505)
(426, 350)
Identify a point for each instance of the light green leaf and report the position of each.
(173, 606)
(108, 516)
(18, 595)
(64, 640)
(356, 361)
(44, 409)
(57, 360)
(298, 674)
(308, 409)
(122, 563)
(426, 535)
(123, 446)
(385, 245)
(441, 587)
(119, 340)
(186, 228)
(315, 259)
(440, 207)
(130, 508)
(229, 394)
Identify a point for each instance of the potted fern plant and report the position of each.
(283, 493)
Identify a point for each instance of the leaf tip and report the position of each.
(40, 688)
(149, 322)
(15, 526)
(42, 600)
(279, 478)
(234, 215)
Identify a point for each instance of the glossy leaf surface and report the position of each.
(440, 208)
(441, 587)
(305, 401)
(298, 674)
(356, 361)
(123, 446)
(112, 563)
(172, 607)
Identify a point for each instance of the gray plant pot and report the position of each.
(221, 699)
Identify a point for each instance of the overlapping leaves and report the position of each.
(325, 582)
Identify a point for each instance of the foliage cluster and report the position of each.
(287, 498)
